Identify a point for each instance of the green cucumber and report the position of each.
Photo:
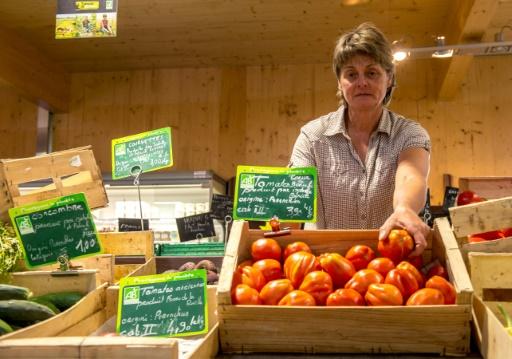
(46, 303)
(62, 300)
(4, 327)
(23, 310)
(8, 291)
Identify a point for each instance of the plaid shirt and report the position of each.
(353, 194)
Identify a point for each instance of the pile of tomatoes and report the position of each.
(295, 276)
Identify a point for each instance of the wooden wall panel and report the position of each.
(222, 117)
(18, 125)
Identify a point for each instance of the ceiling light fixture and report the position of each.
(443, 52)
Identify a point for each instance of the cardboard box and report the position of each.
(443, 329)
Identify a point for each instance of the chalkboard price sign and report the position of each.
(132, 224)
(170, 304)
(264, 192)
(221, 207)
(195, 227)
(450, 195)
(55, 227)
(148, 151)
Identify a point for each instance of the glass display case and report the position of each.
(164, 196)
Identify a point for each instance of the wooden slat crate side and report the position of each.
(490, 271)
(42, 282)
(87, 306)
(86, 326)
(487, 187)
(342, 330)
(497, 246)
(128, 348)
(128, 243)
(37, 348)
(481, 217)
(147, 268)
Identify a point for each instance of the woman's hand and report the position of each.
(406, 218)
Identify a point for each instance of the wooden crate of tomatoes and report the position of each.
(332, 291)
(482, 226)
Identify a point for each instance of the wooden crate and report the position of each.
(492, 281)
(43, 283)
(130, 250)
(71, 171)
(440, 329)
(158, 265)
(487, 187)
(73, 342)
(482, 217)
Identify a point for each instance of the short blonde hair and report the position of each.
(366, 39)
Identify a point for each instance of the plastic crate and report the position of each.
(192, 250)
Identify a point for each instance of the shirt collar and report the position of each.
(337, 123)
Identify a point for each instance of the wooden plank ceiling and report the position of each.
(203, 33)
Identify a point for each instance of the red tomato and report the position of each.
(270, 268)
(475, 239)
(360, 255)
(265, 248)
(298, 265)
(275, 290)
(362, 280)
(408, 266)
(488, 236)
(243, 294)
(426, 296)
(250, 276)
(318, 284)
(345, 297)
(448, 290)
(437, 269)
(295, 247)
(382, 265)
(339, 268)
(383, 294)
(416, 261)
(397, 246)
(247, 262)
(298, 298)
(404, 280)
(507, 232)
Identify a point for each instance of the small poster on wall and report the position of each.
(85, 19)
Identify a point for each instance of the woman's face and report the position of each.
(363, 83)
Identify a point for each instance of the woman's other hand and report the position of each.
(406, 218)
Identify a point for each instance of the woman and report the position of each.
(372, 163)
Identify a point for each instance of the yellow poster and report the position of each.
(86, 19)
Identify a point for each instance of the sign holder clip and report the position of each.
(276, 229)
(65, 267)
(136, 172)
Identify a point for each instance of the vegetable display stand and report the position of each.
(75, 342)
(71, 171)
(130, 249)
(487, 187)
(479, 218)
(41, 283)
(491, 274)
(441, 329)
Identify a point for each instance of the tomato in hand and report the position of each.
(362, 280)
(360, 255)
(265, 248)
(345, 297)
(437, 269)
(408, 266)
(339, 268)
(270, 268)
(426, 296)
(250, 276)
(298, 265)
(295, 247)
(404, 280)
(298, 298)
(275, 290)
(318, 284)
(382, 265)
(397, 246)
(243, 294)
(383, 294)
(448, 290)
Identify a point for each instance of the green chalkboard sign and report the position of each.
(148, 151)
(264, 192)
(55, 227)
(170, 304)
